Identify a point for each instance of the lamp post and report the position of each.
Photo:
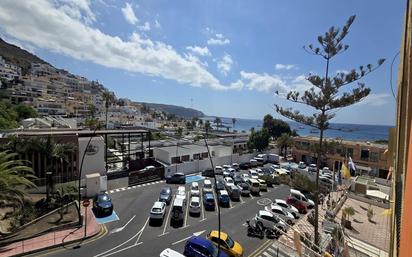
(48, 179)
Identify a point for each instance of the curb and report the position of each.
(102, 232)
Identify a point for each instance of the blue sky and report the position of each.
(228, 56)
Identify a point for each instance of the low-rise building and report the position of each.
(369, 158)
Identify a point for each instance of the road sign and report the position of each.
(86, 203)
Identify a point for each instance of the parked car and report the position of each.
(226, 174)
(234, 192)
(177, 212)
(254, 186)
(218, 170)
(228, 182)
(301, 197)
(245, 177)
(244, 166)
(253, 163)
(166, 195)
(237, 179)
(209, 201)
(226, 166)
(312, 168)
(224, 199)
(220, 185)
(302, 165)
(253, 174)
(194, 206)
(197, 246)
(207, 186)
(158, 211)
(268, 220)
(208, 173)
(287, 207)
(235, 166)
(262, 185)
(273, 158)
(227, 244)
(102, 205)
(194, 189)
(181, 193)
(280, 213)
(297, 204)
(170, 253)
(177, 178)
(244, 189)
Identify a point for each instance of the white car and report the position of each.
(194, 189)
(226, 174)
(181, 193)
(259, 172)
(218, 170)
(194, 206)
(312, 168)
(245, 176)
(226, 166)
(231, 170)
(170, 253)
(268, 220)
(262, 185)
(235, 166)
(302, 165)
(228, 182)
(253, 174)
(158, 211)
(207, 186)
(282, 214)
(287, 207)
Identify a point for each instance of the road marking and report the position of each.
(203, 207)
(123, 227)
(138, 238)
(123, 188)
(117, 190)
(251, 196)
(133, 187)
(163, 234)
(194, 234)
(264, 201)
(241, 200)
(123, 249)
(266, 254)
(168, 216)
(271, 250)
(260, 249)
(187, 207)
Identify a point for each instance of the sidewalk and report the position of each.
(53, 239)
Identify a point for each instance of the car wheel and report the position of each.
(290, 222)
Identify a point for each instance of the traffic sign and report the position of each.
(86, 203)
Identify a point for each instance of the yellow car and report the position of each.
(230, 247)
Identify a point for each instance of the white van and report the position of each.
(218, 170)
(302, 198)
(254, 185)
(253, 163)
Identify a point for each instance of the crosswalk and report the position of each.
(133, 187)
(273, 251)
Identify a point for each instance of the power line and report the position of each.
(393, 60)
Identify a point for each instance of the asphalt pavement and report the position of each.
(134, 235)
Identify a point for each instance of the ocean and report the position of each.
(354, 132)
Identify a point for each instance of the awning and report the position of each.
(377, 194)
(364, 168)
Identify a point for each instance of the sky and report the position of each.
(225, 58)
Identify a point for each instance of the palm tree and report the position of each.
(233, 123)
(284, 141)
(15, 177)
(108, 98)
(207, 127)
(218, 122)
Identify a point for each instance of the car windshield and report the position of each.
(165, 191)
(230, 242)
(156, 210)
(194, 204)
(103, 198)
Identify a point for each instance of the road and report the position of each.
(133, 235)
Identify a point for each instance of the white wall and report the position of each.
(201, 165)
(162, 155)
(94, 158)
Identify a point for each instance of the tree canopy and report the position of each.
(275, 127)
(11, 115)
(259, 140)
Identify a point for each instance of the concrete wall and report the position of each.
(201, 165)
(94, 158)
(161, 155)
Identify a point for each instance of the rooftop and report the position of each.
(345, 142)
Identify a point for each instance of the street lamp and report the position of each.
(48, 180)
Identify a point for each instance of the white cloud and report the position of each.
(144, 27)
(77, 9)
(129, 15)
(203, 51)
(280, 66)
(157, 24)
(342, 71)
(376, 99)
(49, 27)
(263, 82)
(218, 40)
(225, 64)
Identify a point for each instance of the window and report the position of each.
(205, 155)
(196, 156)
(283, 205)
(374, 157)
(365, 154)
(349, 152)
(175, 159)
(185, 158)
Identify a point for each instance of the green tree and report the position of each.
(218, 122)
(15, 178)
(324, 96)
(275, 127)
(25, 111)
(108, 98)
(259, 140)
(8, 116)
(284, 141)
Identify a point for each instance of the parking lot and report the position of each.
(134, 233)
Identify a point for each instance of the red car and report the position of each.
(297, 204)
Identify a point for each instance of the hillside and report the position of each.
(18, 56)
(176, 110)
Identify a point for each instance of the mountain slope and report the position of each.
(176, 110)
(18, 56)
